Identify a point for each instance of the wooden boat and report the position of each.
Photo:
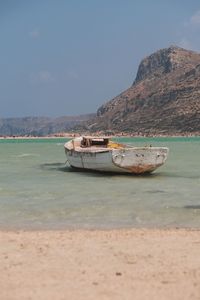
(103, 154)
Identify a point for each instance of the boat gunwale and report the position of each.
(108, 149)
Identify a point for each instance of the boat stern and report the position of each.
(140, 160)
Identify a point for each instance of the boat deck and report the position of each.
(92, 149)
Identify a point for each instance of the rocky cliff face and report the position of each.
(163, 99)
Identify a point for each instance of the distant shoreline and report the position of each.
(73, 135)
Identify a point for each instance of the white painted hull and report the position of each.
(137, 160)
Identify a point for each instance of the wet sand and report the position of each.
(116, 264)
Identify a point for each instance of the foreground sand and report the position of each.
(118, 264)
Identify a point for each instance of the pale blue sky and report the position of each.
(67, 57)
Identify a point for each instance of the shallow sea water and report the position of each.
(38, 190)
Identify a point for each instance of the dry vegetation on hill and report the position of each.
(163, 99)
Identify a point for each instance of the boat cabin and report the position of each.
(94, 141)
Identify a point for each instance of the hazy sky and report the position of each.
(67, 57)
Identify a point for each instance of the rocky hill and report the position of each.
(163, 99)
(39, 126)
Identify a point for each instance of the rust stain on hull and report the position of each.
(141, 169)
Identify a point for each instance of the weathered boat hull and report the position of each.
(136, 160)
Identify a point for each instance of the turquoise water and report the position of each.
(39, 191)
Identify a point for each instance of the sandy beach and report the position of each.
(114, 264)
